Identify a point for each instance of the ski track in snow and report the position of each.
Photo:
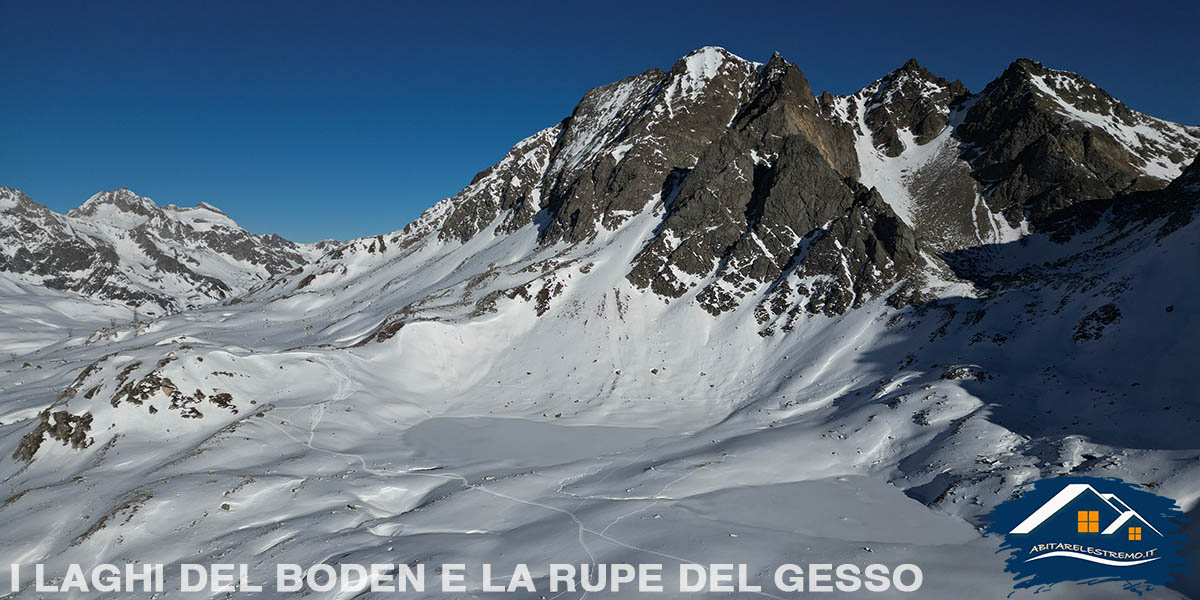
(346, 388)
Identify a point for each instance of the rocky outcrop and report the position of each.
(71, 430)
(510, 189)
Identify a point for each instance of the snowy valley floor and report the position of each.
(363, 456)
(617, 428)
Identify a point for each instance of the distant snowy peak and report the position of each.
(122, 201)
(13, 200)
(123, 247)
(209, 207)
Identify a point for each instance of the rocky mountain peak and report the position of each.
(611, 156)
(1024, 65)
(12, 195)
(775, 66)
(912, 99)
(1045, 139)
(1051, 87)
(784, 81)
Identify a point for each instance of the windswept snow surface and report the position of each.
(36, 317)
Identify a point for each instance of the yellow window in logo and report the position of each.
(1089, 521)
(1135, 533)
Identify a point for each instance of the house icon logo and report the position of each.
(1089, 530)
(1092, 510)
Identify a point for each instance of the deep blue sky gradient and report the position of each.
(342, 119)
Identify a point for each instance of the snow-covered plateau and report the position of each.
(711, 317)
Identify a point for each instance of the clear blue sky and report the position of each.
(341, 119)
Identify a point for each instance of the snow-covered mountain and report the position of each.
(761, 192)
(122, 247)
(709, 317)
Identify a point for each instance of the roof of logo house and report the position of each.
(1068, 494)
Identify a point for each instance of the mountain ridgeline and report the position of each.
(761, 193)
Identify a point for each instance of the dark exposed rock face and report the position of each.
(774, 198)
(610, 157)
(78, 251)
(1092, 326)
(1035, 157)
(1171, 208)
(904, 123)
